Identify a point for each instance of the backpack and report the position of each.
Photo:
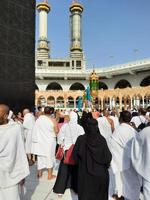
(142, 125)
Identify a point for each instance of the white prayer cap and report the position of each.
(10, 115)
(66, 113)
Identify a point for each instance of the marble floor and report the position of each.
(41, 189)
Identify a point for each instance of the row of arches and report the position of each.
(118, 98)
(125, 101)
(101, 103)
(59, 102)
(79, 86)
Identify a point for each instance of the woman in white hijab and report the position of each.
(67, 174)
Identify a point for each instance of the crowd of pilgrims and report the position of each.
(111, 151)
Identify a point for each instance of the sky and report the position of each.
(113, 31)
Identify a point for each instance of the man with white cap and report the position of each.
(28, 124)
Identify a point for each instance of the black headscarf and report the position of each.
(84, 118)
(97, 152)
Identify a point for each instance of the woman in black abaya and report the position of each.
(93, 157)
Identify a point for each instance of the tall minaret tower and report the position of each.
(43, 47)
(76, 10)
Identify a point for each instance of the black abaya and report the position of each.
(66, 178)
(93, 158)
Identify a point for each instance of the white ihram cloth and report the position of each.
(127, 182)
(137, 120)
(44, 142)
(69, 132)
(104, 127)
(13, 161)
(28, 123)
(140, 156)
(115, 120)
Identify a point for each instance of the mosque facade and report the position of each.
(60, 82)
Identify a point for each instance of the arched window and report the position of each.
(103, 86)
(41, 101)
(70, 102)
(122, 84)
(77, 86)
(60, 102)
(51, 101)
(145, 81)
(54, 86)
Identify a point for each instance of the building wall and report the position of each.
(17, 49)
(134, 80)
(66, 84)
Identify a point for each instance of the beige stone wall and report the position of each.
(112, 98)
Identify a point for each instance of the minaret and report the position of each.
(76, 10)
(43, 47)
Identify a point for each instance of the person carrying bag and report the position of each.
(67, 172)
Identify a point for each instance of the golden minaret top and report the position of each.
(44, 6)
(75, 6)
(93, 76)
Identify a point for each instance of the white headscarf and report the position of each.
(70, 131)
(73, 118)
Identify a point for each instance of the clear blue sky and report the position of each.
(113, 31)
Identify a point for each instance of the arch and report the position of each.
(102, 85)
(137, 100)
(60, 102)
(41, 101)
(36, 87)
(126, 101)
(106, 102)
(70, 102)
(145, 81)
(77, 86)
(122, 84)
(51, 101)
(54, 86)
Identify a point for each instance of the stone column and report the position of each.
(134, 102)
(113, 102)
(65, 103)
(99, 100)
(74, 103)
(131, 104)
(138, 101)
(110, 103)
(102, 103)
(55, 102)
(120, 103)
(143, 102)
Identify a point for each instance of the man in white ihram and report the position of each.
(13, 162)
(127, 183)
(44, 142)
(140, 156)
(106, 125)
(28, 124)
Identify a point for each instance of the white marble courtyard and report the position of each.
(41, 189)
